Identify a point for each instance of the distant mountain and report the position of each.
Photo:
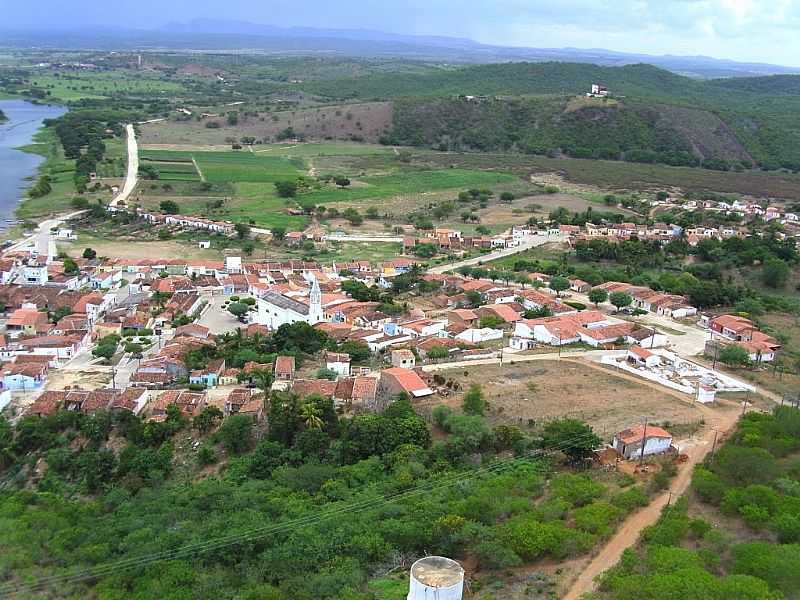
(225, 35)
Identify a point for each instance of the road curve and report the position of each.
(132, 177)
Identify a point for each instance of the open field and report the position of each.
(540, 391)
(616, 175)
(70, 86)
(365, 121)
(222, 166)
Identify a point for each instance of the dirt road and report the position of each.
(484, 258)
(132, 177)
(631, 529)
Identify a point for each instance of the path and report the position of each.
(632, 527)
(197, 168)
(42, 234)
(389, 239)
(132, 176)
(484, 258)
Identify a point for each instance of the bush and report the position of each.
(206, 455)
(578, 490)
(575, 305)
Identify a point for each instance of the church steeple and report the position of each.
(315, 302)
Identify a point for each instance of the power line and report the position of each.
(373, 503)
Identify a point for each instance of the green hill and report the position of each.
(729, 120)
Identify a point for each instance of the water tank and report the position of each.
(436, 578)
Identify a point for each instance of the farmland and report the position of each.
(221, 166)
(90, 85)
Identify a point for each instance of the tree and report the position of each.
(572, 437)
(506, 197)
(598, 295)
(238, 309)
(425, 250)
(71, 267)
(206, 419)
(286, 189)
(734, 356)
(278, 233)
(474, 403)
(79, 203)
(352, 215)
(89, 254)
(437, 352)
(491, 321)
(236, 433)
(775, 273)
(341, 181)
(559, 284)
(309, 413)
(169, 207)
(620, 299)
(242, 230)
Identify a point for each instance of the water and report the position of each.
(24, 119)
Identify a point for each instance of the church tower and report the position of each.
(315, 303)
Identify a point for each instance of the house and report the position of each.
(27, 321)
(733, 327)
(477, 336)
(23, 376)
(403, 359)
(208, 377)
(398, 381)
(284, 368)
(628, 442)
(599, 336)
(580, 286)
(91, 305)
(229, 376)
(422, 327)
(189, 403)
(338, 362)
(193, 330)
(642, 357)
(503, 312)
(646, 338)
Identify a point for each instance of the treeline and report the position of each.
(81, 133)
(634, 132)
(754, 480)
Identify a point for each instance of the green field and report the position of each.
(323, 149)
(227, 167)
(95, 85)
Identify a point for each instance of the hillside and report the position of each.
(583, 128)
(728, 119)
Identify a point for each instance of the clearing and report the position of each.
(539, 391)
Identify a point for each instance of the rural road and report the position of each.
(42, 233)
(132, 177)
(364, 238)
(484, 258)
(632, 527)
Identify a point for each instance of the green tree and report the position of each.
(474, 402)
(238, 309)
(309, 413)
(491, 321)
(286, 189)
(598, 295)
(775, 273)
(734, 356)
(341, 181)
(620, 300)
(559, 284)
(71, 267)
(236, 433)
(437, 352)
(89, 254)
(242, 230)
(169, 207)
(574, 438)
(207, 418)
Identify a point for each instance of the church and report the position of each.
(275, 309)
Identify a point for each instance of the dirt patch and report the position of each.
(360, 122)
(540, 391)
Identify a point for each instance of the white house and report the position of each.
(338, 362)
(642, 357)
(233, 264)
(646, 338)
(476, 336)
(628, 442)
(35, 274)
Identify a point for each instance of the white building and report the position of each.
(628, 442)
(338, 362)
(276, 309)
(476, 336)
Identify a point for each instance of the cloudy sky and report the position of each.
(747, 30)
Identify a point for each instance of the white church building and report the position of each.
(275, 309)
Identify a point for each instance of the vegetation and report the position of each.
(753, 480)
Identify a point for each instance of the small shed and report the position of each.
(628, 442)
(643, 357)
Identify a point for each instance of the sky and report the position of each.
(744, 30)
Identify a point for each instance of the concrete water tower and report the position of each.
(436, 578)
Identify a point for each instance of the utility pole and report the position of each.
(644, 441)
(714, 445)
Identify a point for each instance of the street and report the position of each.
(132, 176)
(485, 258)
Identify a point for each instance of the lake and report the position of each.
(24, 119)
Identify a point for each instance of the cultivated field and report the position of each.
(539, 391)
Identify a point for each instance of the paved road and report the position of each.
(484, 258)
(132, 177)
(42, 233)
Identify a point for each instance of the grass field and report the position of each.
(222, 166)
(61, 172)
(310, 150)
(89, 85)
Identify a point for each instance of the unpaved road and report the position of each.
(632, 527)
(484, 258)
(132, 177)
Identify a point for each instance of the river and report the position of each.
(16, 167)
